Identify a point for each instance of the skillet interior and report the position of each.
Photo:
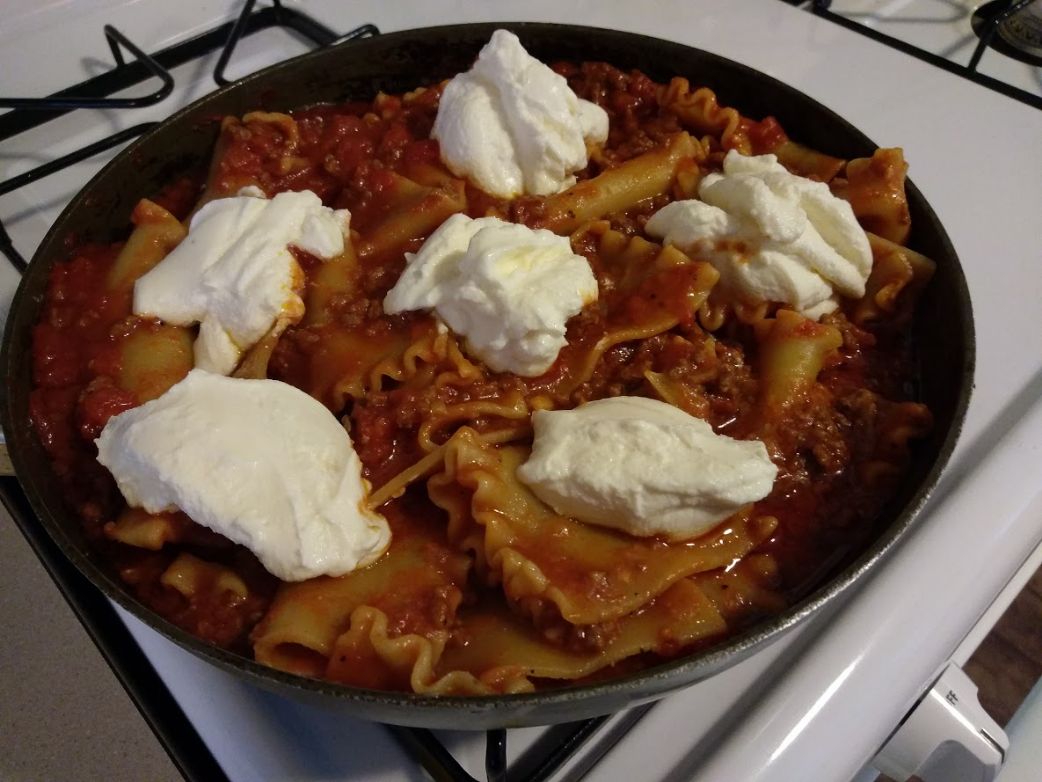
(395, 63)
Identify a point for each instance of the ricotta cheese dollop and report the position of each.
(234, 273)
(511, 125)
(507, 289)
(644, 467)
(772, 235)
(257, 461)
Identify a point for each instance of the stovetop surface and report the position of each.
(948, 28)
(973, 153)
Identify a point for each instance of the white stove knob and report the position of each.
(947, 737)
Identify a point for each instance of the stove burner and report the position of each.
(1019, 33)
(1024, 30)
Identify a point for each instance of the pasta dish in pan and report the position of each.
(608, 398)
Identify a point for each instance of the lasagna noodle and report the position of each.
(156, 232)
(684, 387)
(620, 188)
(429, 175)
(138, 528)
(898, 276)
(332, 282)
(713, 313)
(269, 141)
(792, 352)
(589, 574)
(371, 655)
(432, 359)
(434, 461)
(196, 579)
(744, 592)
(722, 307)
(351, 362)
(806, 162)
(896, 425)
(875, 188)
(341, 359)
(700, 113)
(254, 364)
(654, 288)
(416, 585)
(511, 406)
(414, 211)
(153, 356)
(504, 650)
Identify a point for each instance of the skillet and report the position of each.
(396, 63)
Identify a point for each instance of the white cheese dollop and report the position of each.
(508, 289)
(644, 467)
(234, 274)
(772, 235)
(511, 125)
(257, 461)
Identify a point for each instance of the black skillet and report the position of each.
(396, 63)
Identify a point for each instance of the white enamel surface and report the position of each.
(833, 684)
(942, 27)
(256, 735)
(974, 154)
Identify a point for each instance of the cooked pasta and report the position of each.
(485, 588)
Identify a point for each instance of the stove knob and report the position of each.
(946, 737)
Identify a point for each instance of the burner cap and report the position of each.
(1020, 36)
(1024, 29)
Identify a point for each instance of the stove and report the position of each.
(820, 702)
(996, 44)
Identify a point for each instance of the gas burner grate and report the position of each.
(69, 99)
(986, 28)
(279, 15)
(539, 763)
(7, 247)
(95, 93)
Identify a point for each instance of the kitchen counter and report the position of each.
(63, 714)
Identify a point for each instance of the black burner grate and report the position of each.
(66, 100)
(545, 758)
(95, 93)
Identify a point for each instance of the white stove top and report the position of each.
(817, 704)
(943, 27)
